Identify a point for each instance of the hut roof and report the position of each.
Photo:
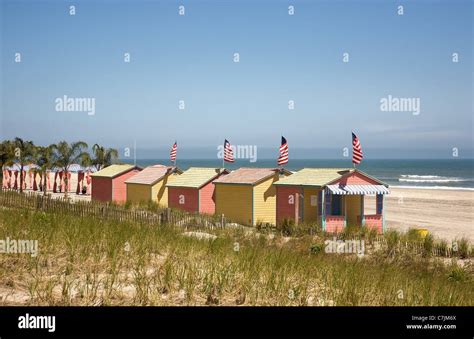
(196, 177)
(151, 175)
(319, 177)
(113, 170)
(248, 176)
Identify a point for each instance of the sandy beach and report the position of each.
(447, 214)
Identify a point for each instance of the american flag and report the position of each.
(356, 150)
(173, 151)
(283, 158)
(228, 153)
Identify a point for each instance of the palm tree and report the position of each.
(45, 161)
(23, 152)
(6, 157)
(103, 157)
(66, 154)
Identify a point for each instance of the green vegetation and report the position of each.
(92, 261)
(61, 155)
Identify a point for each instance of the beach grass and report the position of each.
(89, 261)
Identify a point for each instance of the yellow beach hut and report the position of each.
(150, 184)
(247, 195)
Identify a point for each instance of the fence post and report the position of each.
(222, 220)
(168, 215)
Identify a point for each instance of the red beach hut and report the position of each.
(193, 191)
(109, 184)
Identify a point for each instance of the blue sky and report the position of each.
(282, 58)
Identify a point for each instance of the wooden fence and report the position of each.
(34, 201)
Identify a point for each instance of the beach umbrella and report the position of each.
(80, 179)
(75, 168)
(14, 167)
(24, 179)
(48, 180)
(30, 167)
(90, 169)
(55, 185)
(15, 186)
(5, 178)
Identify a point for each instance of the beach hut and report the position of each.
(247, 195)
(193, 191)
(108, 184)
(150, 184)
(331, 197)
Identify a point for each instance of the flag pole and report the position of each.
(223, 157)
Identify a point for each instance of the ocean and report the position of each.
(435, 173)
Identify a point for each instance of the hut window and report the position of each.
(182, 200)
(314, 200)
(291, 199)
(336, 205)
(379, 203)
(327, 200)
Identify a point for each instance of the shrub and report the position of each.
(457, 274)
(443, 247)
(464, 248)
(316, 248)
(393, 238)
(428, 245)
(412, 235)
(286, 227)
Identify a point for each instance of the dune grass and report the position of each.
(89, 261)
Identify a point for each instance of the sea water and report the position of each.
(422, 173)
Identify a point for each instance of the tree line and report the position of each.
(61, 155)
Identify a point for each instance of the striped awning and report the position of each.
(357, 189)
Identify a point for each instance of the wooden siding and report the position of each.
(207, 201)
(138, 193)
(160, 191)
(101, 189)
(310, 212)
(235, 202)
(374, 221)
(334, 224)
(119, 189)
(264, 199)
(190, 195)
(284, 209)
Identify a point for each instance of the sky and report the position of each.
(283, 58)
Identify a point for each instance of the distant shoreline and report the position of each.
(448, 188)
